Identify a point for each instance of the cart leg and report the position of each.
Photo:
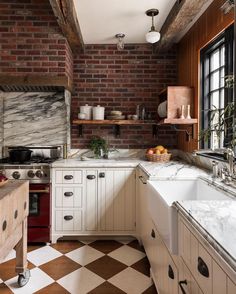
(21, 257)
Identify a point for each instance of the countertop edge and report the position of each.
(205, 234)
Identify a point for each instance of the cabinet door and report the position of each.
(219, 285)
(116, 200)
(163, 268)
(91, 200)
(187, 284)
(231, 287)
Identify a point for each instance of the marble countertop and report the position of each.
(216, 221)
(171, 170)
(168, 170)
(99, 163)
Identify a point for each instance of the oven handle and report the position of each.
(39, 191)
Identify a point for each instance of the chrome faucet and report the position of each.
(228, 174)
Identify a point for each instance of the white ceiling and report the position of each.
(100, 20)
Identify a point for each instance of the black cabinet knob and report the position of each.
(202, 267)
(68, 194)
(91, 177)
(15, 214)
(101, 175)
(171, 274)
(4, 225)
(181, 283)
(153, 234)
(68, 217)
(68, 177)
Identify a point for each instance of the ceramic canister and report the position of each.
(87, 110)
(98, 112)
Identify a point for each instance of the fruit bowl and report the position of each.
(159, 157)
(2, 183)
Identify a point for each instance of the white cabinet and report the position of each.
(93, 201)
(163, 268)
(116, 200)
(207, 269)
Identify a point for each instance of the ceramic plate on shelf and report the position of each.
(115, 117)
(162, 109)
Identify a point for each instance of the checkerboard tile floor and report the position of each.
(96, 267)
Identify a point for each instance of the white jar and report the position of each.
(98, 112)
(87, 110)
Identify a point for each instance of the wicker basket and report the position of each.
(158, 157)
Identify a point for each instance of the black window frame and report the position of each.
(225, 39)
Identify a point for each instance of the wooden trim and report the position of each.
(113, 122)
(66, 15)
(182, 13)
(34, 80)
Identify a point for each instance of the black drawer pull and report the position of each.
(91, 177)
(4, 225)
(68, 217)
(68, 177)
(16, 214)
(153, 234)
(101, 175)
(171, 274)
(181, 283)
(68, 194)
(142, 180)
(202, 268)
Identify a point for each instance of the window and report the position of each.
(216, 63)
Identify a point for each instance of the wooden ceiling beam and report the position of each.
(66, 16)
(182, 13)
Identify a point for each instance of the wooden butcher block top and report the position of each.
(11, 186)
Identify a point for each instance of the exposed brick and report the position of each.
(121, 81)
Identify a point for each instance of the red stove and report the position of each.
(37, 171)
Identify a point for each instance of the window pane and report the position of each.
(222, 77)
(215, 60)
(215, 100)
(215, 81)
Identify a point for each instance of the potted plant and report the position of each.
(99, 146)
(220, 118)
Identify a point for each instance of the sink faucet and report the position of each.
(228, 174)
(230, 157)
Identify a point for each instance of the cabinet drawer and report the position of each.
(69, 220)
(187, 283)
(68, 177)
(68, 197)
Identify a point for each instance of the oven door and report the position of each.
(39, 205)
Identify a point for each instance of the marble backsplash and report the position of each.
(34, 118)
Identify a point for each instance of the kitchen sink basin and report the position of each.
(161, 196)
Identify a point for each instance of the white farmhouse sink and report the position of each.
(162, 194)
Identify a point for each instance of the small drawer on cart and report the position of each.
(68, 196)
(68, 220)
(68, 177)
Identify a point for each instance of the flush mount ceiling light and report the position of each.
(152, 36)
(120, 43)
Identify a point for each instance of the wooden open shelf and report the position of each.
(116, 123)
(179, 121)
(113, 122)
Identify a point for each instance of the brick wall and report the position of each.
(120, 80)
(31, 41)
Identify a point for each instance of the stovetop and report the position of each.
(36, 170)
(32, 162)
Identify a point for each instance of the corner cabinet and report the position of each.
(93, 202)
